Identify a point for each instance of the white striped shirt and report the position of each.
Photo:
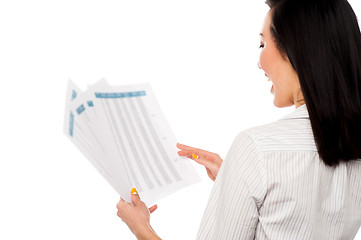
(273, 185)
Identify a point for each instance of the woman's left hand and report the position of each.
(137, 217)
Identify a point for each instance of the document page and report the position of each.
(123, 133)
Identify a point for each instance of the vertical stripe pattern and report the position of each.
(273, 185)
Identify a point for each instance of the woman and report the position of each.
(298, 177)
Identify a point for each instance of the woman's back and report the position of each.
(273, 185)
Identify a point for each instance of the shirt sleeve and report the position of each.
(237, 195)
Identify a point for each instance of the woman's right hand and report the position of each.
(211, 161)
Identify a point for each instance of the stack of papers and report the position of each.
(123, 133)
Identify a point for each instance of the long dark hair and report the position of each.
(322, 40)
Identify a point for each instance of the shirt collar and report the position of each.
(300, 113)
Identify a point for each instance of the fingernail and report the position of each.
(134, 191)
(195, 156)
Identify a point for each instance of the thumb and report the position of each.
(135, 197)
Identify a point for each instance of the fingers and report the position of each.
(188, 148)
(193, 154)
(135, 197)
(182, 146)
(201, 159)
(191, 149)
(188, 151)
(203, 162)
(153, 208)
(190, 154)
(210, 175)
(120, 203)
(120, 206)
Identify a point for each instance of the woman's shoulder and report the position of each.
(290, 133)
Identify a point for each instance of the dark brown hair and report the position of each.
(322, 40)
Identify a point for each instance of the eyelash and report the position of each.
(261, 46)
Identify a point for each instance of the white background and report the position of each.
(201, 59)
